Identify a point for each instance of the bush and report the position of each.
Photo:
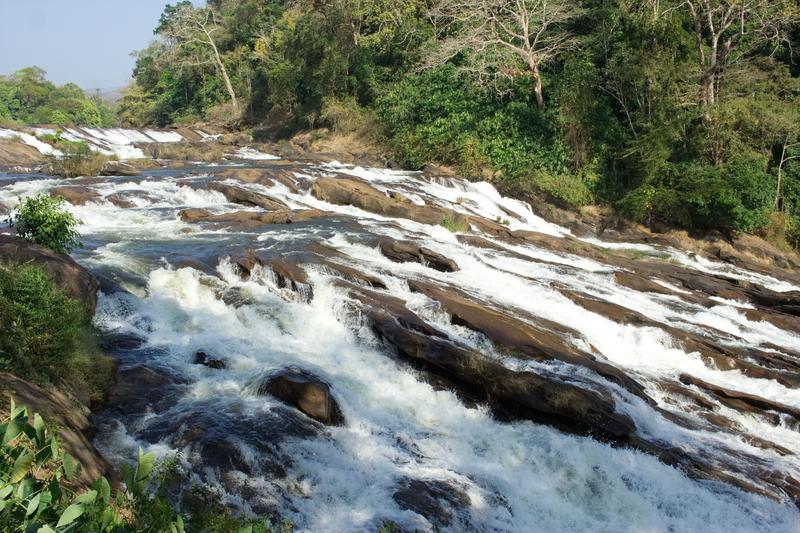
(77, 159)
(737, 196)
(46, 336)
(44, 220)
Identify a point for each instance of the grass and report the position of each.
(455, 224)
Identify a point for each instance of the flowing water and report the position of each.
(182, 294)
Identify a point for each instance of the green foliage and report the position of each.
(39, 480)
(27, 97)
(737, 196)
(455, 224)
(46, 336)
(76, 159)
(45, 220)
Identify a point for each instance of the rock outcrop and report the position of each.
(410, 252)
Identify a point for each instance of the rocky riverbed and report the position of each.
(348, 346)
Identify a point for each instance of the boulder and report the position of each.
(306, 392)
(73, 279)
(118, 168)
(76, 195)
(409, 252)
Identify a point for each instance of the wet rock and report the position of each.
(118, 168)
(76, 195)
(437, 501)
(141, 389)
(17, 153)
(249, 220)
(521, 338)
(124, 199)
(351, 191)
(541, 396)
(242, 196)
(409, 252)
(202, 358)
(740, 400)
(73, 279)
(287, 273)
(305, 391)
(639, 283)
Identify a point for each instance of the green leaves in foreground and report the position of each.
(39, 480)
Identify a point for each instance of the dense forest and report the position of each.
(27, 97)
(685, 112)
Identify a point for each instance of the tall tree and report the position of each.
(191, 30)
(502, 35)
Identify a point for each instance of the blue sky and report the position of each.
(85, 41)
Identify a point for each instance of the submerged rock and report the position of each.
(76, 194)
(306, 392)
(238, 195)
(202, 358)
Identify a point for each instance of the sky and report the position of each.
(88, 42)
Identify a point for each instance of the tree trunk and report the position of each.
(780, 175)
(224, 72)
(537, 88)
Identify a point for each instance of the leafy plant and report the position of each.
(39, 480)
(46, 336)
(455, 224)
(45, 220)
(76, 159)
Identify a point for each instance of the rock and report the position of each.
(247, 175)
(124, 199)
(140, 389)
(306, 392)
(409, 252)
(540, 396)
(69, 276)
(740, 400)
(242, 196)
(76, 195)
(72, 419)
(248, 220)
(639, 283)
(118, 168)
(437, 501)
(351, 191)
(202, 358)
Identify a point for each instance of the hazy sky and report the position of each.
(85, 41)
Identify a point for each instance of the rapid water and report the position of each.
(183, 294)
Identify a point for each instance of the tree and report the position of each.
(501, 35)
(191, 30)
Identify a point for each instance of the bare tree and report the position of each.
(191, 30)
(502, 35)
(726, 31)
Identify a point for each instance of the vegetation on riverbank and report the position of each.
(669, 112)
(26, 97)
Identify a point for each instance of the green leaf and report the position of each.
(108, 516)
(104, 488)
(21, 467)
(33, 505)
(6, 491)
(69, 465)
(88, 497)
(13, 429)
(146, 463)
(38, 425)
(45, 529)
(72, 513)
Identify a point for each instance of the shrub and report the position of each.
(737, 196)
(46, 336)
(44, 220)
(77, 159)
